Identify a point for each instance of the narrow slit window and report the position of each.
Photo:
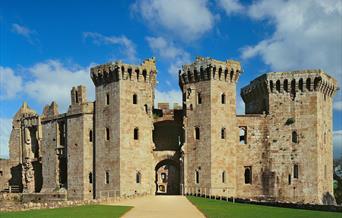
(223, 133)
(90, 135)
(146, 108)
(107, 177)
(223, 177)
(294, 137)
(135, 99)
(197, 177)
(90, 177)
(223, 98)
(136, 134)
(107, 134)
(295, 171)
(289, 179)
(107, 99)
(199, 98)
(76, 96)
(197, 133)
(138, 178)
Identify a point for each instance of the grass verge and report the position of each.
(220, 209)
(88, 211)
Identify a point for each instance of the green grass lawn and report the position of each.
(217, 209)
(89, 211)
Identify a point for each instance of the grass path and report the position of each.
(221, 209)
(89, 211)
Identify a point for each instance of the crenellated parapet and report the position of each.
(116, 71)
(210, 69)
(290, 83)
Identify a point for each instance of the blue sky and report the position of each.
(46, 47)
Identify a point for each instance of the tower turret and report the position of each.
(124, 124)
(209, 103)
(299, 108)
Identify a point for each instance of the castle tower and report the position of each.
(299, 141)
(79, 134)
(209, 104)
(123, 123)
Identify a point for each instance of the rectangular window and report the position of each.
(248, 175)
(1, 173)
(295, 171)
(243, 134)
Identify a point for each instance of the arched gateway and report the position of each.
(167, 137)
(167, 177)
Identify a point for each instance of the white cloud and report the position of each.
(172, 96)
(231, 6)
(127, 46)
(337, 144)
(5, 131)
(25, 32)
(187, 19)
(10, 84)
(21, 30)
(52, 81)
(168, 51)
(307, 35)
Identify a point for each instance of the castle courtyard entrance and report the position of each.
(167, 177)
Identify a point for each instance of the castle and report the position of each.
(120, 145)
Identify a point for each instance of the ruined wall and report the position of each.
(50, 142)
(252, 151)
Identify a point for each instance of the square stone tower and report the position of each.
(124, 124)
(298, 105)
(209, 96)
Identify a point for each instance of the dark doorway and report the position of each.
(167, 178)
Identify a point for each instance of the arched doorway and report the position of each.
(167, 178)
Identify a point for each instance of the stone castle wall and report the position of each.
(280, 150)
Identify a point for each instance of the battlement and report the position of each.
(292, 83)
(115, 71)
(209, 69)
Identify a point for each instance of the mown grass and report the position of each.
(221, 209)
(89, 211)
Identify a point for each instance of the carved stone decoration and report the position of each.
(27, 150)
(28, 176)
